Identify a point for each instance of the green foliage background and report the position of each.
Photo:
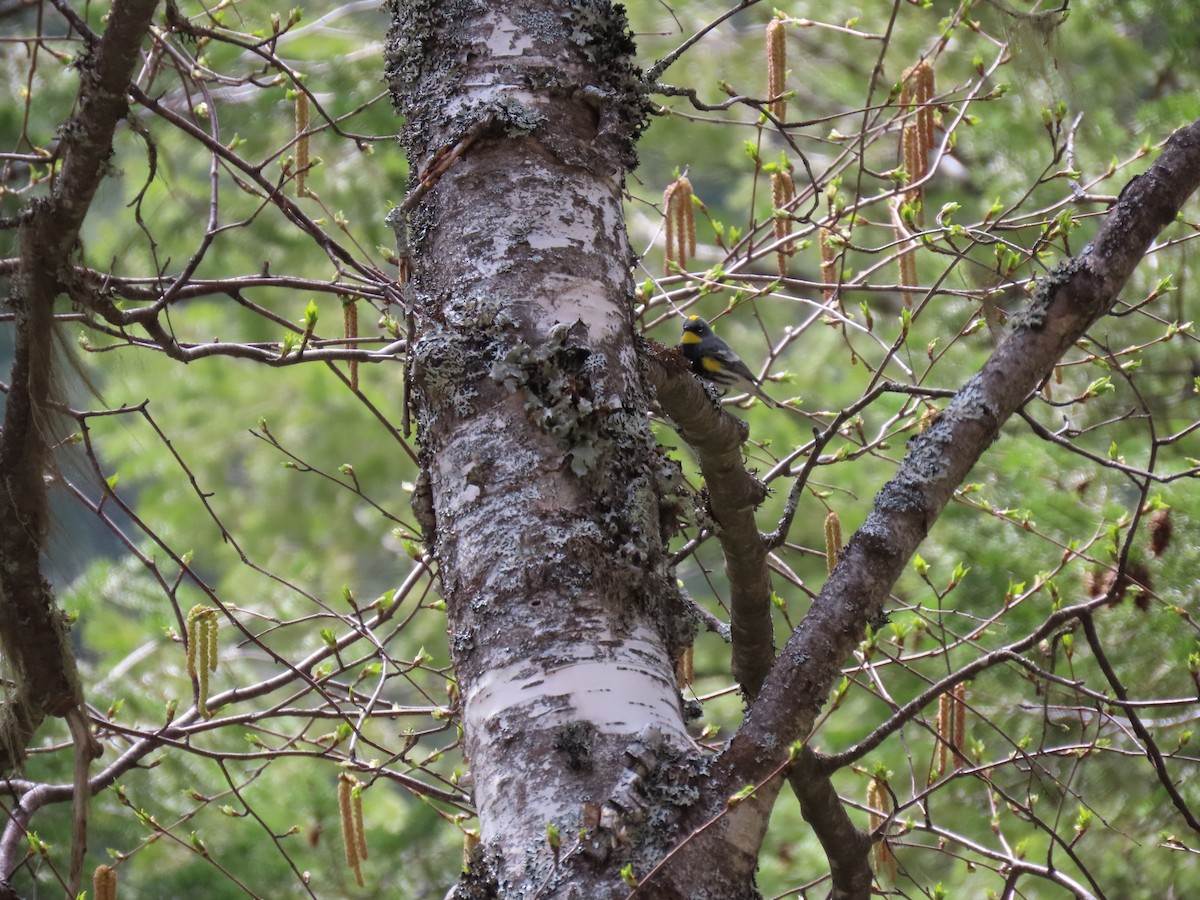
(1125, 67)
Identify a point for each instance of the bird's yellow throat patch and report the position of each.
(690, 337)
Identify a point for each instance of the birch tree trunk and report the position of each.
(547, 502)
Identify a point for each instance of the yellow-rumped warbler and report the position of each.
(712, 359)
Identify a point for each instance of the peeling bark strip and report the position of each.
(1068, 301)
(32, 630)
(550, 503)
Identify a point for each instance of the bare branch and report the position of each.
(846, 847)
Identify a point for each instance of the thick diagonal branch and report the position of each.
(1067, 302)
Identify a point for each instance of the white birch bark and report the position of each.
(546, 487)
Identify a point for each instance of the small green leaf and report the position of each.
(744, 794)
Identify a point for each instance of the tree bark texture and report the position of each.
(545, 498)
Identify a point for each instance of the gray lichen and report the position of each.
(1034, 314)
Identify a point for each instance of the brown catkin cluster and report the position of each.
(916, 93)
(829, 268)
(1106, 581)
(907, 256)
(302, 159)
(354, 837)
(350, 329)
(776, 69)
(783, 191)
(1160, 531)
(104, 883)
(685, 667)
(201, 651)
(879, 803)
(916, 140)
(833, 541)
(679, 208)
(952, 728)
